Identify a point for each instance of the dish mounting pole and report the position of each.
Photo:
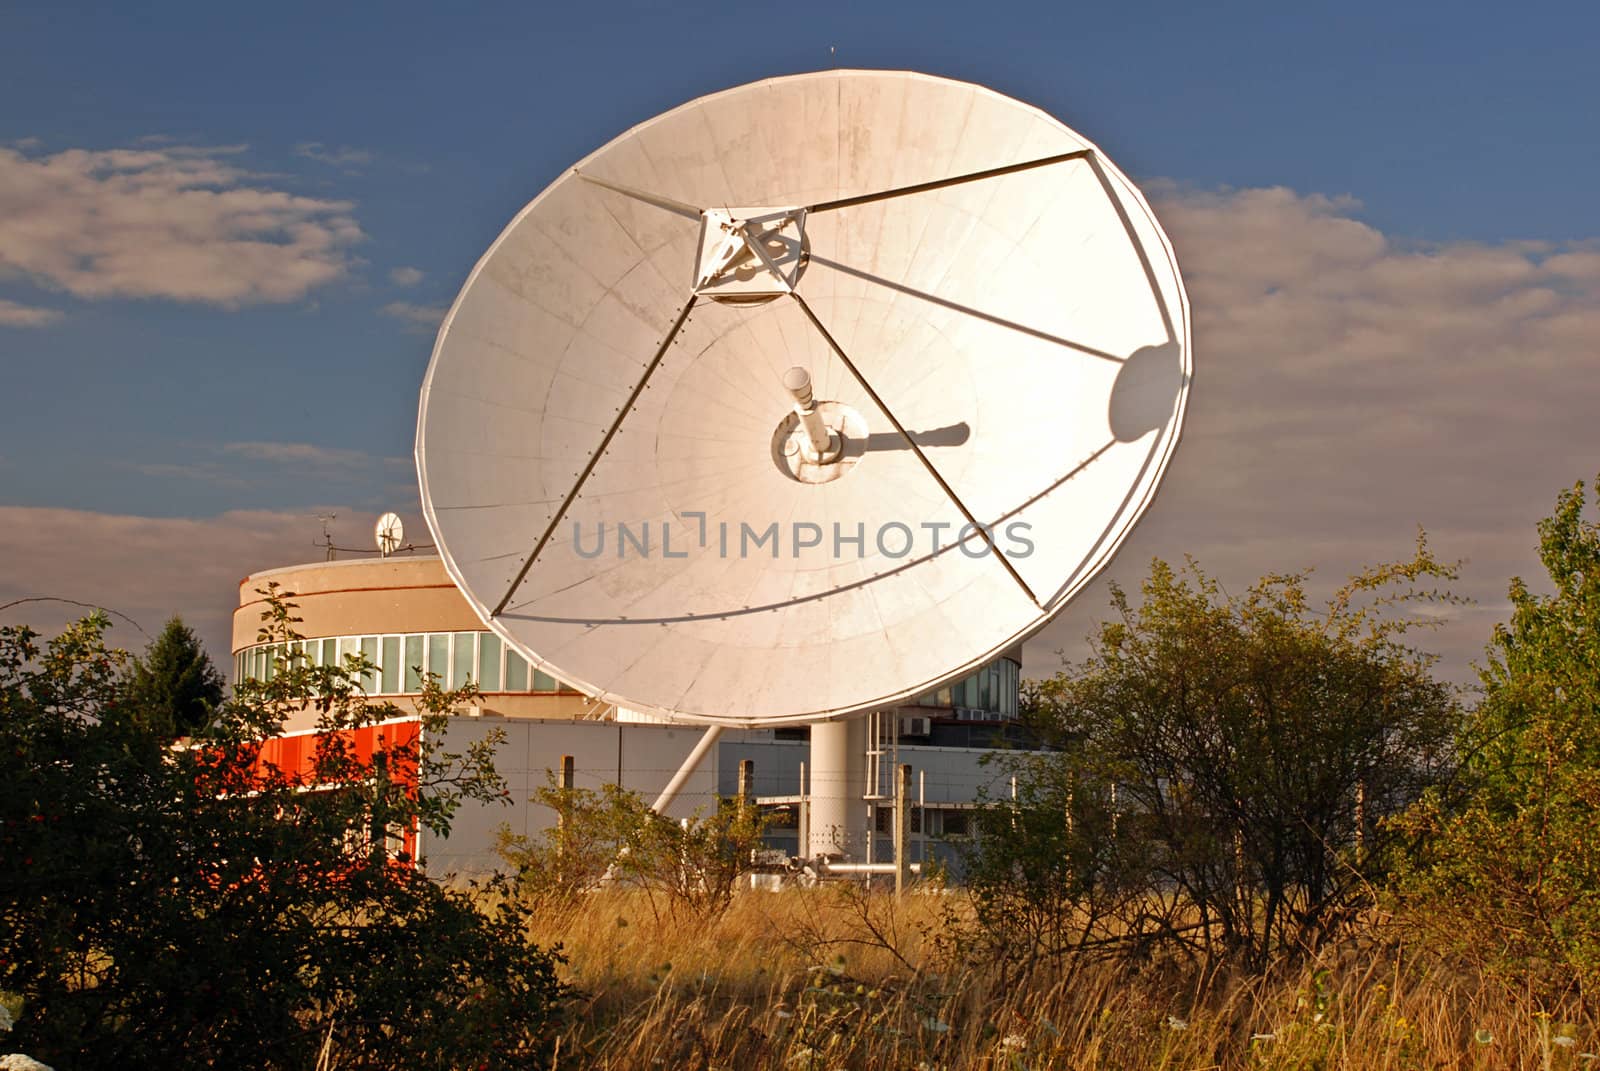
(707, 740)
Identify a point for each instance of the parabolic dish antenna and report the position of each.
(804, 398)
(388, 533)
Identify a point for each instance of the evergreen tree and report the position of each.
(175, 687)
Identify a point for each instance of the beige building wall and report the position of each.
(377, 596)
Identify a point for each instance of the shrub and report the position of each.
(185, 904)
(1221, 768)
(1509, 872)
(612, 836)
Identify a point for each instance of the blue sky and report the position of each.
(400, 138)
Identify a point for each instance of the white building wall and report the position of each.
(642, 758)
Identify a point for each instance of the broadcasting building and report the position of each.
(406, 616)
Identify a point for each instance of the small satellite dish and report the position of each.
(390, 533)
(804, 398)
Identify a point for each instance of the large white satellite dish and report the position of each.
(706, 427)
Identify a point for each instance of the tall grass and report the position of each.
(830, 978)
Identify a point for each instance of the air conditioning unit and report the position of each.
(916, 726)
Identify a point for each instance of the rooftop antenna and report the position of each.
(327, 536)
(388, 533)
(683, 439)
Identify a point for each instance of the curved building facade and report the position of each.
(407, 618)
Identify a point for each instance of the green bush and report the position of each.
(1220, 768)
(1509, 872)
(170, 905)
(612, 836)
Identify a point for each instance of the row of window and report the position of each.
(940, 821)
(398, 661)
(992, 688)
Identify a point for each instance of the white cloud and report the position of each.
(15, 315)
(405, 276)
(255, 465)
(153, 567)
(1349, 387)
(186, 224)
(308, 454)
(344, 157)
(423, 319)
(205, 471)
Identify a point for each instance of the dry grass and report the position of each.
(823, 979)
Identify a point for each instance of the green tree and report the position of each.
(1510, 870)
(174, 684)
(190, 905)
(1221, 765)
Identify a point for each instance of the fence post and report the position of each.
(902, 826)
(803, 850)
(564, 804)
(747, 776)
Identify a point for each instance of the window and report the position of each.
(439, 658)
(961, 693)
(489, 662)
(369, 676)
(956, 823)
(465, 660)
(391, 665)
(782, 816)
(516, 672)
(415, 659)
